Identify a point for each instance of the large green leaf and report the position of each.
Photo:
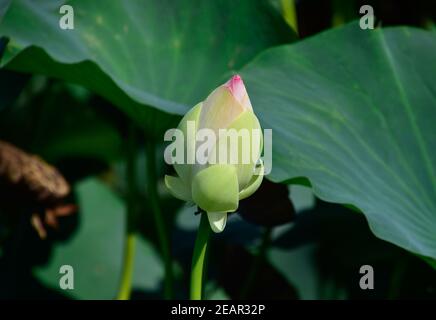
(354, 111)
(4, 7)
(159, 53)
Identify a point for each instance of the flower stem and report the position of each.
(198, 259)
(126, 279)
(153, 199)
(290, 13)
(129, 245)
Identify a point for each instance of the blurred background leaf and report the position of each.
(237, 277)
(269, 206)
(96, 250)
(4, 7)
(12, 84)
(313, 254)
(62, 122)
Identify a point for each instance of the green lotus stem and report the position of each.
(127, 275)
(130, 240)
(290, 13)
(153, 199)
(198, 259)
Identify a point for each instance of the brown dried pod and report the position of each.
(28, 182)
(41, 179)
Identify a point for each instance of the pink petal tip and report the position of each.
(236, 87)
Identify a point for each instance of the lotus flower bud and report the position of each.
(221, 161)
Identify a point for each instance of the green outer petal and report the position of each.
(177, 188)
(217, 221)
(215, 189)
(254, 184)
(247, 120)
(184, 170)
